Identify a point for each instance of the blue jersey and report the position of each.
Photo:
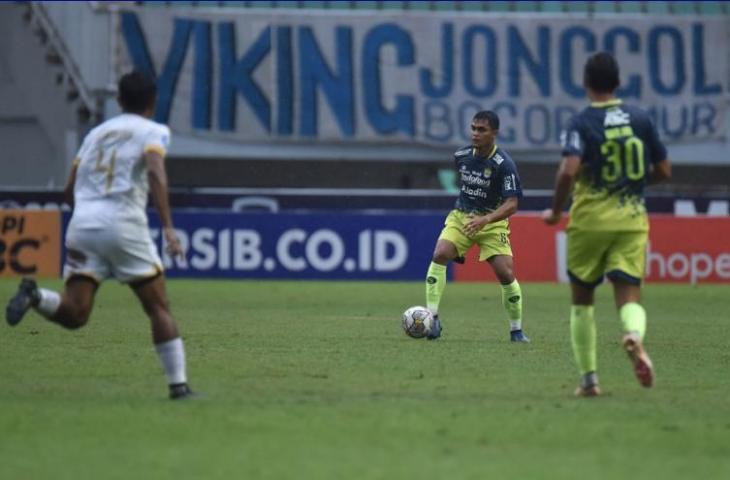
(485, 180)
(617, 145)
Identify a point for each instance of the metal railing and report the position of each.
(57, 53)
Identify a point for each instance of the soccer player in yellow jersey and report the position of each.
(611, 151)
(489, 194)
(119, 162)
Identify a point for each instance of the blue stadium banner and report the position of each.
(395, 77)
(302, 246)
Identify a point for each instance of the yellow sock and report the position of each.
(435, 283)
(633, 318)
(512, 302)
(583, 337)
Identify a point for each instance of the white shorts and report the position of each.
(123, 251)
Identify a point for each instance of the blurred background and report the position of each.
(322, 106)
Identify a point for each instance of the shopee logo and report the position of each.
(695, 265)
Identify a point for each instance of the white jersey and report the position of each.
(111, 178)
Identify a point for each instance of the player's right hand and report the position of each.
(172, 243)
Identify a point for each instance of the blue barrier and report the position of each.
(343, 246)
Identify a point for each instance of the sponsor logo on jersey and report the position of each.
(461, 153)
(474, 178)
(474, 192)
(508, 183)
(615, 117)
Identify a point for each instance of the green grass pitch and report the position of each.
(316, 380)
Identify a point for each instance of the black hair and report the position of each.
(137, 92)
(601, 73)
(489, 116)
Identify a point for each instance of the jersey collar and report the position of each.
(608, 103)
(491, 154)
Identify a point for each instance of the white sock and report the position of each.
(172, 357)
(48, 303)
(515, 325)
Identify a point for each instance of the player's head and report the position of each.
(601, 74)
(137, 94)
(484, 128)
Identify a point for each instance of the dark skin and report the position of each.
(77, 298)
(569, 170)
(483, 138)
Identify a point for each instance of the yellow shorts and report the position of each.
(618, 255)
(493, 239)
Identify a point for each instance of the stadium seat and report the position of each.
(657, 7)
(285, 4)
(314, 4)
(445, 5)
(577, 7)
(604, 7)
(630, 7)
(473, 6)
(499, 6)
(713, 8)
(552, 7)
(365, 5)
(256, 4)
(393, 5)
(525, 6)
(419, 5)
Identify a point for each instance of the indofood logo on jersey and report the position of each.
(405, 76)
(473, 178)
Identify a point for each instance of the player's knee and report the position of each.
(441, 256)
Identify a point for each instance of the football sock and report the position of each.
(435, 283)
(172, 357)
(48, 302)
(512, 301)
(633, 318)
(583, 336)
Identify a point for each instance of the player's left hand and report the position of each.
(173, 245)
(550, 217)
(475, 224)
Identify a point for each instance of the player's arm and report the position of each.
(157, 177)
(508, 208)
(660, 171)
(564, 181)
(68, 190)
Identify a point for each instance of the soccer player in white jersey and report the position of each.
(118, 164)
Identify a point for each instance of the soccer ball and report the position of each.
(417, 321)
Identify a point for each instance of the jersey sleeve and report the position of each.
(158, 140)
(571, 142)
(509, 180)
(83, 149)
(462, 152)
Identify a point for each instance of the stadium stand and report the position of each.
(67, 91)
(598, 7)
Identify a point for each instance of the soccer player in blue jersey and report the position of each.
(489, 193)
(611, 151)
